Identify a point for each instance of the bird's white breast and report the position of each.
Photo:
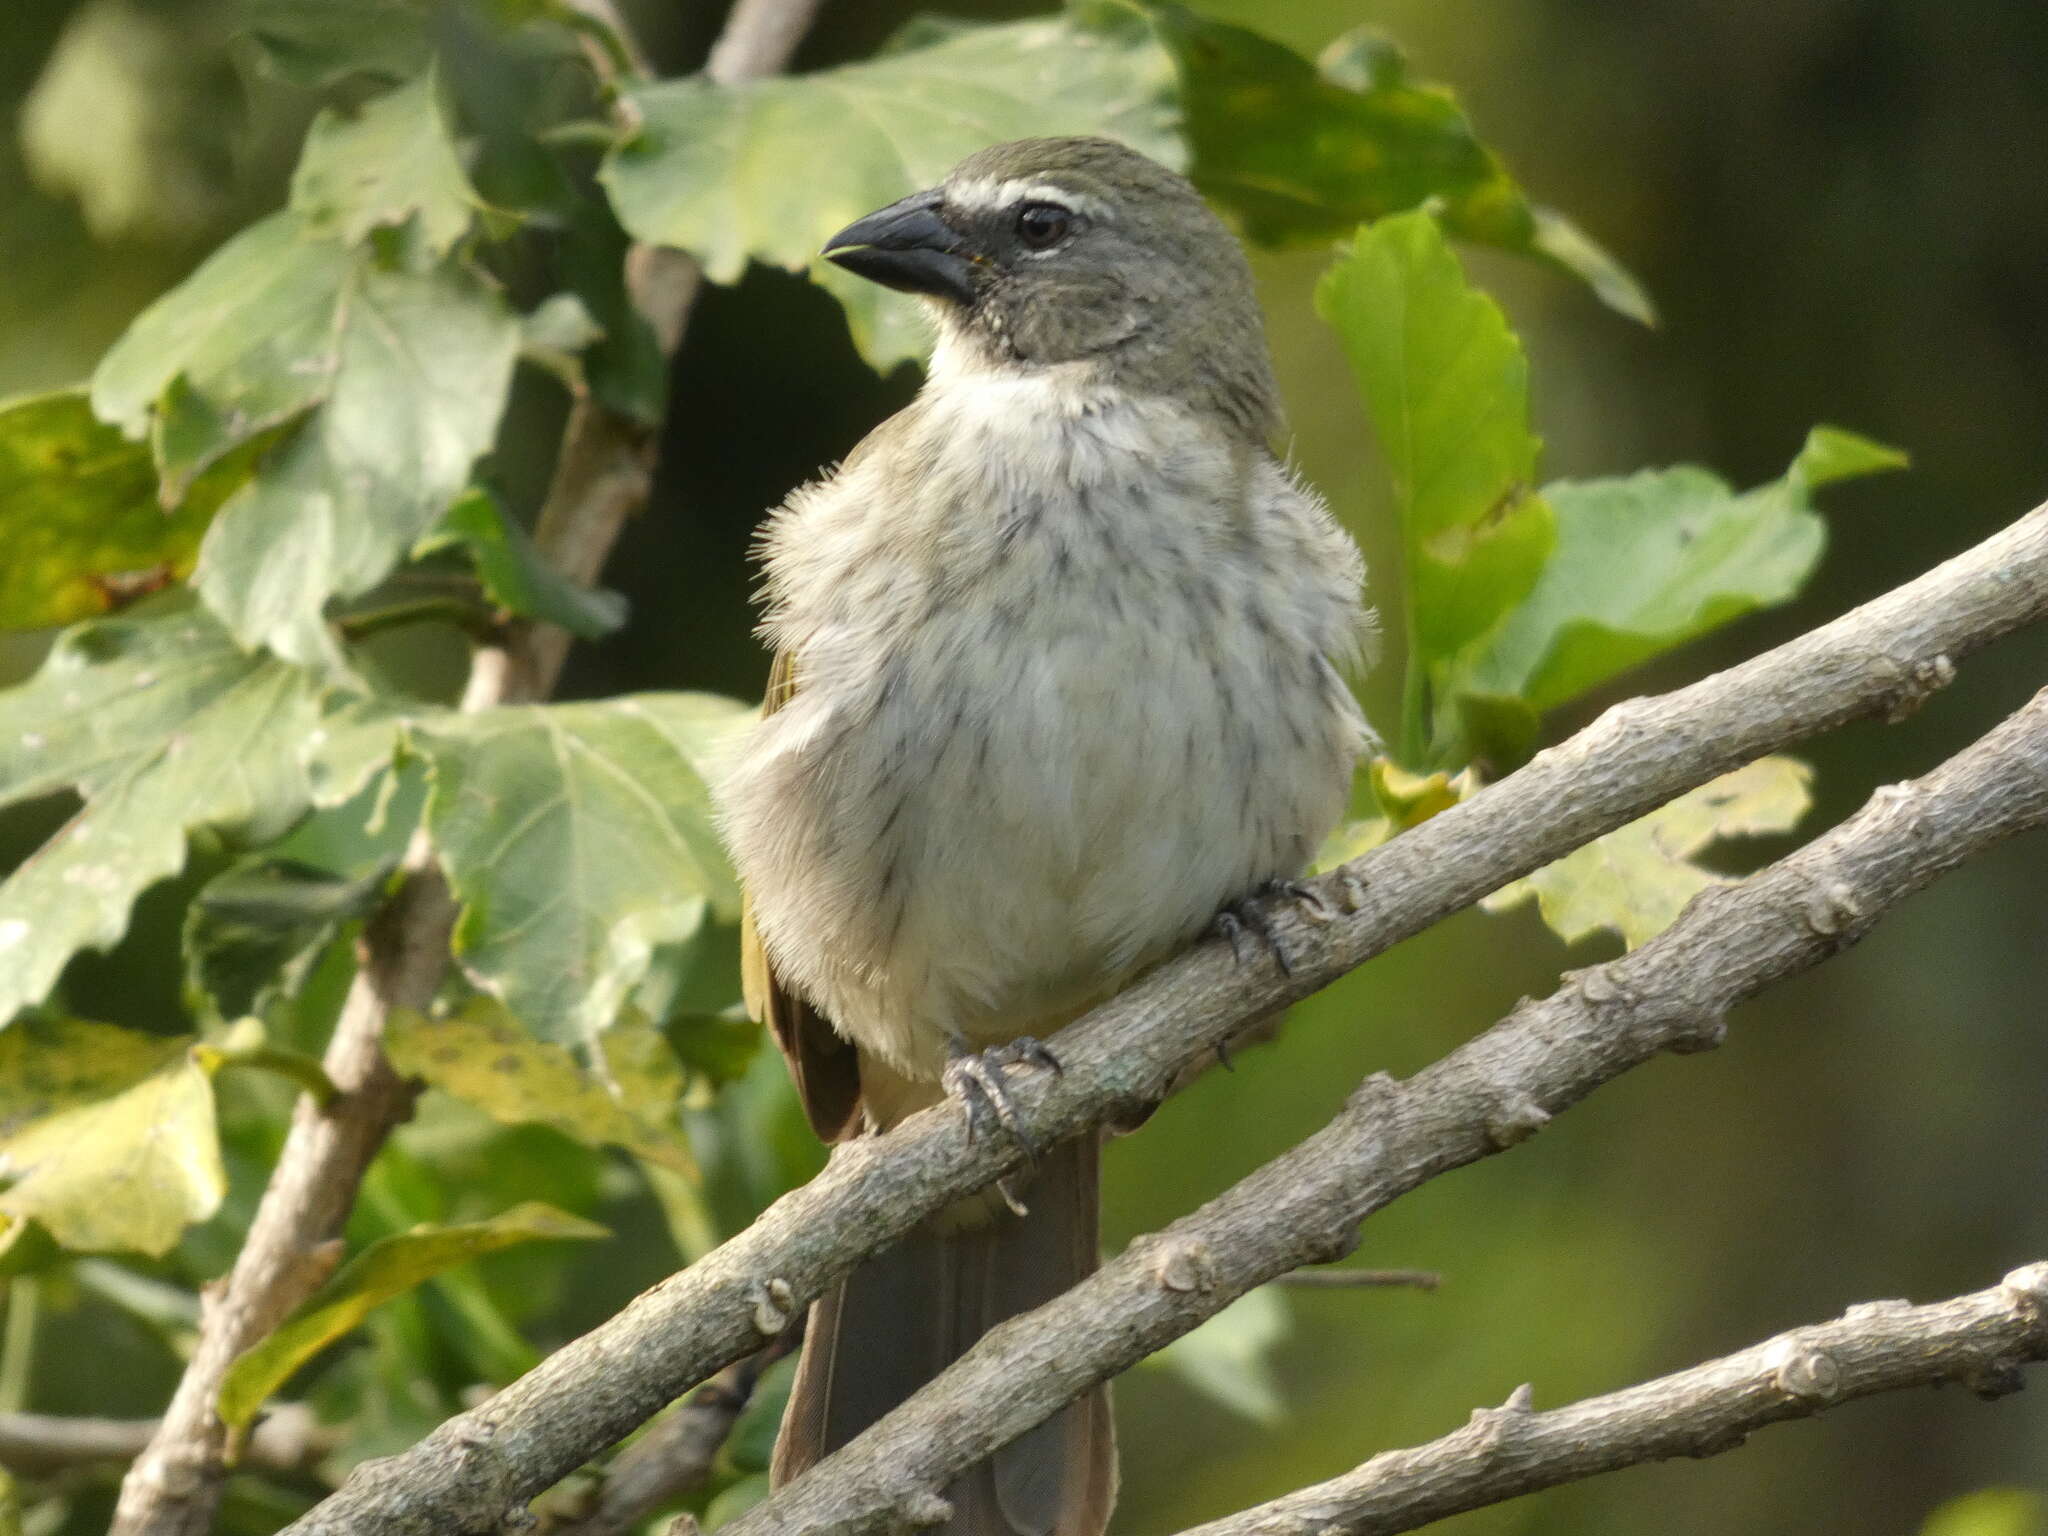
(1066, 684)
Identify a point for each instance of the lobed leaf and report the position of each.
(577, 837)
(387, 1268)
(1644, 564)
(163, 726)
(1447, 387)
(1305, 152)
(107, 1135)
(1635, 881)
(482, 1056)
(770, 169)
(392, 160)
(396, 379)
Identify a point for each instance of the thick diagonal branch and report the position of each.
(1882, 658)
(1673, 994)
(1979, 1340)
(603, 475)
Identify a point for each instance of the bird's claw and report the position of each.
(1254, 915)
(976, 1080)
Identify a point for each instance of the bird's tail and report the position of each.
(907, 1314)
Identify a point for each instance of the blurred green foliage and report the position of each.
(1806, 192)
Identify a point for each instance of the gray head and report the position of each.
(1049, 251)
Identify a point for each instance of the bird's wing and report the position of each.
(825, 1067)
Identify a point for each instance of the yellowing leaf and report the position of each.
(381, 1271)
(107, 1135)
(1637, 880)
(483, 1057)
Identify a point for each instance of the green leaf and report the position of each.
(1991, 1512)
(768, 170)
(392, 160)
(1637, 880)
(164, 727)
(1304, 152)
(387, 1268)
(1229, 1359)
(315, 43)
(577, 838)
(106, 1135)
(484, 1058)
(401, 377)
(255, 931)
(514, 575)
(79, 516)
(1645, 563)
(719, 1050)
(1447, 387)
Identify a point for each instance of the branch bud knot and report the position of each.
(1184, 1265)
(774, 1305)
(1832, 908)
(1810, 1375)
(1921, 682)
(2028, 1287)
(1491, 1427)
(1515, 1120)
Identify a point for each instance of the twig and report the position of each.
(288, 1439)
(1673, 994)
(603, 476)
(1360, 1279)
(1126, 1055)
(1980, 1340)
(676, 1454)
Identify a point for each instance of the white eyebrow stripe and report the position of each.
(982, 193)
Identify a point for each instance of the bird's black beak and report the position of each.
(908, 247)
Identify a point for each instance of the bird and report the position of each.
(1060, 672)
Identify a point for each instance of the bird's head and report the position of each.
(1050, 252)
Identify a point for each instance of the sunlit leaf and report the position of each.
(1229, 1359)
(1637, 880)
(1651, 561)
(385, 1269)
(483, 1057)
(577, 838)
(254, 931)
(1446, 386)
(393, 159)
(107, 1136)
(770, 169)
(401, 377)
(514, 575)
(79, 516)
(163, 726)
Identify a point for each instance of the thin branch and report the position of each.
(289, 1439)
(1979, 1340)
(603, 476)
(482, 1466)
(1360, 1279)
(1673, 994)
(676, 1455)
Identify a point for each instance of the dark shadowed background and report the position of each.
(1839, 207)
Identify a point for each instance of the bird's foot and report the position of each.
(976, 1080)
(1254, 915)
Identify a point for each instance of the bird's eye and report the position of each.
(1042, 226)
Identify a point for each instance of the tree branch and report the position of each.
(483, 1465)
(288, 1439)
(603, 476)
(1673, 994)
(1979, 1340)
